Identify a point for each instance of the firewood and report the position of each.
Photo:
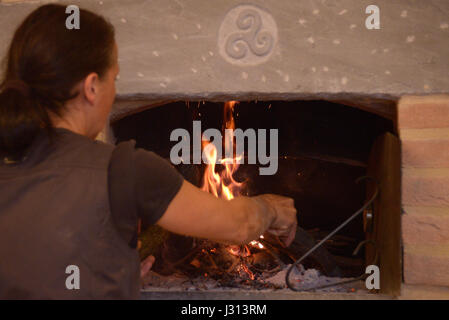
(151, 241)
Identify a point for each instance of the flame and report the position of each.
(223, 184)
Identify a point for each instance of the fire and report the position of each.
(223, 184)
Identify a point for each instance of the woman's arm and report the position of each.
(196, 213)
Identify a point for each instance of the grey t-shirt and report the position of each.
(141, 178)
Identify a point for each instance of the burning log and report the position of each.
(246, 266)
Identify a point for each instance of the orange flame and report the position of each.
(223, 184)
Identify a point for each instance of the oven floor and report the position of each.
(238, 294)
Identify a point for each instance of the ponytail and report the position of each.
(21, 118)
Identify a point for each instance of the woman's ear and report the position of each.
(90, 87)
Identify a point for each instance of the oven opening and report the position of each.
(331, 158)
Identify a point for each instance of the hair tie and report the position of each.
(18, 85)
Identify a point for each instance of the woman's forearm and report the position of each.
(196, 213)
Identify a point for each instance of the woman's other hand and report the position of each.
(146, 265)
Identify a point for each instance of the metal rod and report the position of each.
(287, 276)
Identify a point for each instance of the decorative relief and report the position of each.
(247, 36)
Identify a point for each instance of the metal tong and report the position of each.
(361, 277)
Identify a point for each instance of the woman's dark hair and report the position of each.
(44, 63)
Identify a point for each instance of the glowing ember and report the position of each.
(256, 244)
(239, 251)
(245, 269)
(234, 250)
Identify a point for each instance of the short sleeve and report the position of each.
(141, 186)
(157, 183)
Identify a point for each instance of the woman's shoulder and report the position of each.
(64, 147)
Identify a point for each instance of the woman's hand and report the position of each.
(145, 266)
(147, 263)
(285, 221)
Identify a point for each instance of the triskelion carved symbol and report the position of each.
(259, 42)
(247, 36)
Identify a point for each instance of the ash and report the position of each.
(301, 278)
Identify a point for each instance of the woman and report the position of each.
(68, 200)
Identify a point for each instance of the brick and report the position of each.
(423, 111)
(425, 147)
(428, 187)
(425, 225)
(423, 292)
(427, 265)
